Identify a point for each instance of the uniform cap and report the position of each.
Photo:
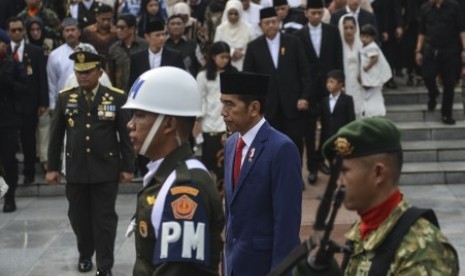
(85, 61)
(363, 137)
(244, 83)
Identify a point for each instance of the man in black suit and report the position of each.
(292, 19)
(323, 48)
(282, 57)
(35, 99)
(156, 55)
(98, 152)
(353, 7)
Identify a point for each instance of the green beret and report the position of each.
(364, 137)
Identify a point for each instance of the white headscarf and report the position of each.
(183, 8)
(236, 35)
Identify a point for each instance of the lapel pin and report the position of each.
(251, 154)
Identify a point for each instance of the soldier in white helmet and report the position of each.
(179, 216)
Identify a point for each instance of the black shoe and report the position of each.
(324, 169)
(432, 104)
(28, 180)
(84, 265)
(103, 272)
(448, 120)
(312, 178)
(9, 205)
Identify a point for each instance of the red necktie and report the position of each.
(15, 53)
(237, 159)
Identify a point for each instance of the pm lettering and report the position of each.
(192, 239)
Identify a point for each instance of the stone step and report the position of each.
(431, 131)
(434, 151)
(419, 113)
(416, 95)
(430, 173)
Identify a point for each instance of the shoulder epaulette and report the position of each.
(116, 90)
(67, 89)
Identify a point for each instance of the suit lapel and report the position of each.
(309, 41)
(229, 163)
(251, 158)
(323, 40)
(267, 53)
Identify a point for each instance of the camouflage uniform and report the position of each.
(423, 251)
(51, 22)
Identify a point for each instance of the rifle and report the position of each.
(322, 262)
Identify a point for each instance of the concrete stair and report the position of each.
(433, 152)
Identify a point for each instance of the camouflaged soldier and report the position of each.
(51, 22)
(179, 216)
(372, 163)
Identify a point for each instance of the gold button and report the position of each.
(88, 150)
(88, 114)
(111, 153)
(67, 154)
(87, 125)
(87, 138)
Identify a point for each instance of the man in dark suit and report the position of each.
(156, 56)
(263, 181)
(98, 155)
(291, 19)
(282, 57)
(353, 7)
(323, 48)
(35, 99)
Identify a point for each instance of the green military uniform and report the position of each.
(192, 187)
(423, 251)
(97, 149)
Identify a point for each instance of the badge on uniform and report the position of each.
(150, 200)
(251, 154)
(183, 207)
(71, 122)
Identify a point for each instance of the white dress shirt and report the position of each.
(353, 13)
(155, 58)
(20, 50)
(248, 138)
(273, 47)
(333, 101)
(315, 36)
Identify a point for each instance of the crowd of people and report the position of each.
(326, 64)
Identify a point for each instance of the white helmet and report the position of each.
(166, 90)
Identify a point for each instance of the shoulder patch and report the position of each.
(184, 190)
(119, 91)
(67, 89)
(184, 207)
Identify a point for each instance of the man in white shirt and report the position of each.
(251, 15)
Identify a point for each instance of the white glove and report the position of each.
(131, 228)
(3, 187)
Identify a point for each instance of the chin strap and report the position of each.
(151, 134)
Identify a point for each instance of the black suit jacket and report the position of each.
(289, 82)
(140, 63)
(33, 68)
(364, 17)
(343, 114)
(94, 154)
(330, 56)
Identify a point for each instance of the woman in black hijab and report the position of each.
(36, 35)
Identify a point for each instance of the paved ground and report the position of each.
(37, 240)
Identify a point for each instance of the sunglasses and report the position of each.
(17, 30)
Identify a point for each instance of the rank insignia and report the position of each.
(73, 96)
(342, 146)
(150, 200)
(143, 229)
(71, 122)
(184, 207)
(184, 190)
(81, 58)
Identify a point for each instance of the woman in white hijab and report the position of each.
(351, 45)
(234, 31)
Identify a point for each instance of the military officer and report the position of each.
(371, 168)
(98, 154)
(179, 216)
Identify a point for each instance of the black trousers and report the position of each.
(445, 62)
(94, 220)
(8, 148)
(28, 143)
(292, 127)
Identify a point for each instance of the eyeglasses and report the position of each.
(19, 30)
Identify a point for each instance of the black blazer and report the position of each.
(343, 114)
(330, 56)
(98, 146)
(289, 82)
(140, 63)
(33, 69)
(364, 17)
